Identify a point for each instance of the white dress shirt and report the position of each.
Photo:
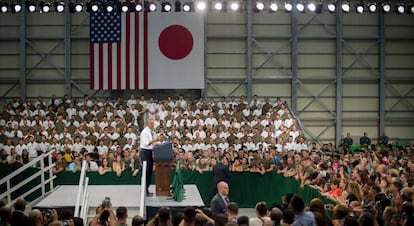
(146, 138)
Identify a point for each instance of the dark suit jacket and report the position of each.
(18, 218)
(217, 205)
(221, 172)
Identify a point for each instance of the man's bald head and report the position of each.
(223, 188)
(35, 217)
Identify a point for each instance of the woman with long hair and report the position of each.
(104, 167)
(118, 166)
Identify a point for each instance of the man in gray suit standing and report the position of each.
(220, 201)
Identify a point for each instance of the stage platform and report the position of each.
(64, 197)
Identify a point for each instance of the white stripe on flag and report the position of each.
(123, 51)
(105, 65)
(96, 66)
(132, 52)
(114, 66)
(141, 50)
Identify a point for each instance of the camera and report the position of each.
(106, 202)
(47, 213)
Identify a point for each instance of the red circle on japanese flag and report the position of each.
(175, 42)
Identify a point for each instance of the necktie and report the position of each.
(227, 200)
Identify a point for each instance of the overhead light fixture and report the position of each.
(109, 6)
(400, 8)
(4, 7)
(312, 6)
(235, 6)
(92, 7)
(75, 7)
(16, 8)
(188, 6)
(331, 7)
(346, 7)
(166, 6)
(288, 7)
(273, 7)
(59, 6)
(410, 8)
(138, 7)
(372, 7)
(201, 5)
(315, 7)
(31, 6)
(125, 6)
(386, 7)
(359, 7)
(259, 6)
(300, 6)
(151, 7)
(45, 7)
(219, 6)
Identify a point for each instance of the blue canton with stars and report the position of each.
(105, 27)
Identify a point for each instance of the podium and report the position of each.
(163, 155)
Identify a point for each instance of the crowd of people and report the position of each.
(259, 137)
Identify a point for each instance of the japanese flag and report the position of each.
(175, 50)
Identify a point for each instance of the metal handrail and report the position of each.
(142, 211)
(40, 159)
(80, 189)
(85, 200)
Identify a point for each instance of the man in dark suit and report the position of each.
(221, 172)
(18, 217)
(218, 204)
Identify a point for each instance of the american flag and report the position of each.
(117, 52)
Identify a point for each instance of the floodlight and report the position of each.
(125, 6)
(138, 7)
(410, 8)
(4, 7)
(331, 7)
(400, 8)
(218, 6)
(288, 7)
(201, 5)
(31, 6)
(259, 6)
(59, 6)
(234, 6)
(166, 6)
(372, 7)
(188, 7)
(386, 7)
(346, 7)
(273, 7)
(109, 6)
(16, 7)
(45, 6)
(300, 6)
(151, 7)
(359, 8)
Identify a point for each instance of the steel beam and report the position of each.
(22, 34)
(204, 92)
(249, 70)
(339, 86)
(68, 52)
(294, 62)
(381, 74)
